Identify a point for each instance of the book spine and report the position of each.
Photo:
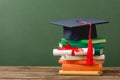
(77, 67)
(82, 62)
(85, 41)
(81, 73)
(99, 51)
(98, 45)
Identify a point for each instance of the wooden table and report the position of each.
(51, 73)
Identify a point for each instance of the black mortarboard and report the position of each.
(73, 30)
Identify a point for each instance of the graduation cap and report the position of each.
(74, 29)
(81, 28)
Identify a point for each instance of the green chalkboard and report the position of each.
(27, 38)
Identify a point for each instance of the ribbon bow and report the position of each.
(69, 47)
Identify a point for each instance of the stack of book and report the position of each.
(80, 49)
(75, 64)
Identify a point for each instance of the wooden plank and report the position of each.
(51, 73)
(28, 68)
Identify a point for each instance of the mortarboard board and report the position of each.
(73, 30)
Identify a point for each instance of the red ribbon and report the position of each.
(89, 60)
(69, 47)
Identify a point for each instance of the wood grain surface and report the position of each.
(51, 73)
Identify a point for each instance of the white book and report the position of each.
(67, 57)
